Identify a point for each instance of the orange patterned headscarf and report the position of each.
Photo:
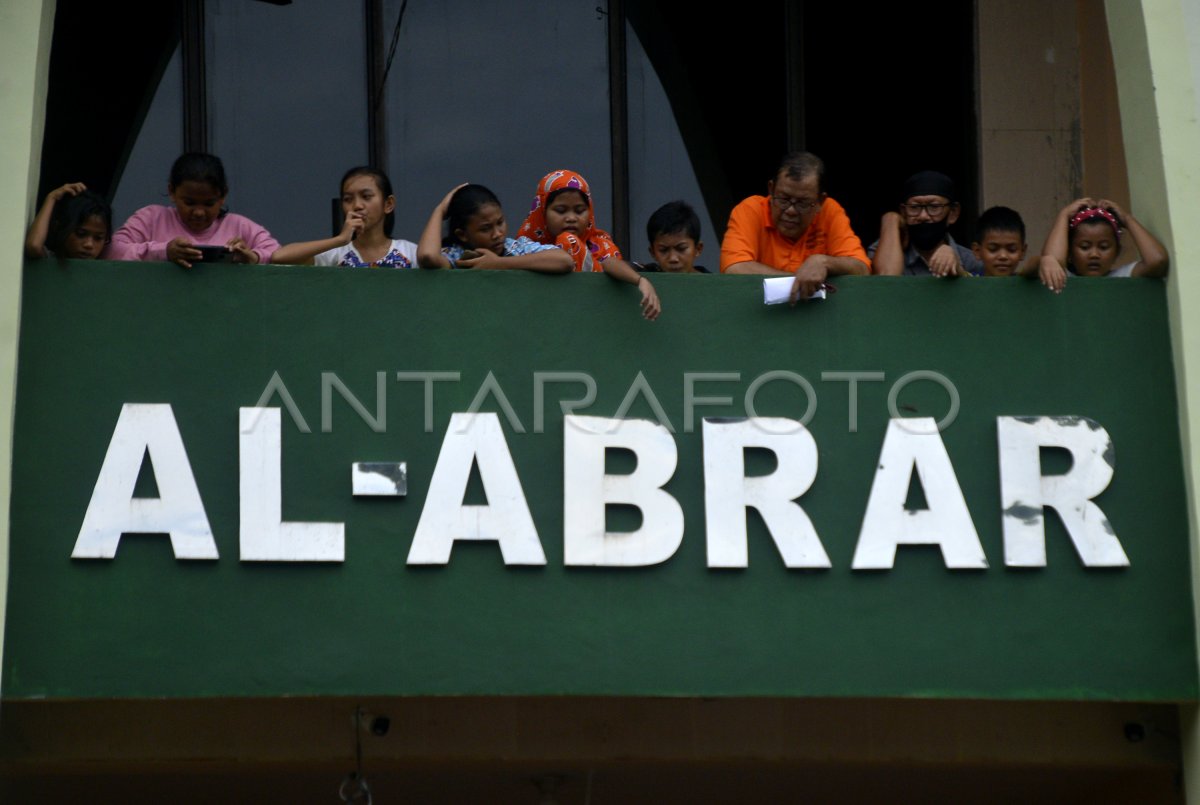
(595, 243)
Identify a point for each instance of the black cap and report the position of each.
(929, 183)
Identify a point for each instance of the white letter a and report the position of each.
(113, 509)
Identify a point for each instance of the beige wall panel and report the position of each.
(1103, 149)
(1026, 170)
(1029, 107)
(1028, 65)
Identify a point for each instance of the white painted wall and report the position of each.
(25, 32)
(1156, 51)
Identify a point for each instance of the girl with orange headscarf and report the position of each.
(562, 215)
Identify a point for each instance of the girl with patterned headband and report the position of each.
(563, 215)
(1086, 240)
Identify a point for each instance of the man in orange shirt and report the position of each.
(794, 229)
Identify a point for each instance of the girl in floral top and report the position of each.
(366, 236)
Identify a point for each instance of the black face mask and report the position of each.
(927, 235)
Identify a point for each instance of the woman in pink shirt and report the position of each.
(197, 218)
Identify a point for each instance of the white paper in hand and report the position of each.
(777, 289)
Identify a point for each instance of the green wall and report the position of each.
(95, 336)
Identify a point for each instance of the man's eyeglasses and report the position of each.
(783, 203)
(934, 209)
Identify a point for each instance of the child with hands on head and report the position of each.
(73, 222)
(366, 237)
(478, 237)
(1086, 240)
(562, 215)
(196, 217)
